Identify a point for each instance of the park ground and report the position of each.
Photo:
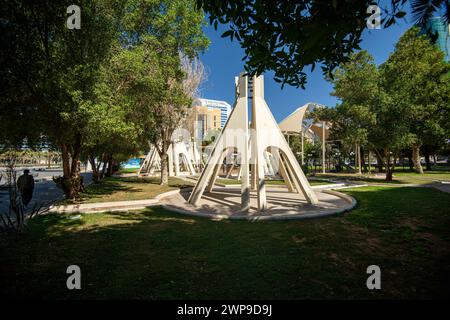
(157, 254)
(401, 176)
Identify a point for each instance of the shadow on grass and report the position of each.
(156, 254)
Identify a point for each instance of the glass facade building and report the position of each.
(437, 26)
(223, 106)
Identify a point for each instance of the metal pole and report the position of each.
(303, 156)
(359, 159)
(323, 147)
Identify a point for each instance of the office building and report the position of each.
(441, 29)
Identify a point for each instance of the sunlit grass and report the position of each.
(128, 170)
(126, 189)
(400, 177)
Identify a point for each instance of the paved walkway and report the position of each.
(224, 203)
(444, 186)
(45, 190)
(112, 205)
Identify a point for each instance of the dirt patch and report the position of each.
(374, 243)
(297, 239)
(355, 228)
(412, 223)
(340, 259)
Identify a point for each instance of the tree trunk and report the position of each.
(95, 173)
(164, 168)
(427, 158)
(65, 160)
(389, 173)
(358, 157)
(389, 167)
(410, 162)
(109, 170)
(71, 182)
(105, 163)
(416, 159)
(363, 160)
(428, 162)
(379, 163)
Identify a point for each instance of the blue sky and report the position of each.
(223, 60)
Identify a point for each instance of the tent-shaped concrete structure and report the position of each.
(296, 124)
(179, 157)
(252, 143)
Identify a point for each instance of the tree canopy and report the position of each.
(416, 77)
(290, 35)
(400, 105)
(94, 91)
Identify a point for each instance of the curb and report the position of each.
(142, 204)
(112, 206)
(322, 186)
(218, 217)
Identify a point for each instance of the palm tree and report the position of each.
(423, 10)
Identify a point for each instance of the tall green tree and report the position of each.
(354, 116)
(149, 73)
(367, 115)
(52, 73)
(415, 77)
(109, 135)
(356, 84)
(117, 79)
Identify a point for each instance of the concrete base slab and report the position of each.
(225, 203)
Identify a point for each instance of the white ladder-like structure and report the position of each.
(252, 143)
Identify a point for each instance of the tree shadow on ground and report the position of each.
(156, 254)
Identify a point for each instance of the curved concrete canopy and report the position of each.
(295, 122)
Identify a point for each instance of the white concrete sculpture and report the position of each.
(195, 155)
(252, 143)
(150, 162)
(178, 155)
(294, 124)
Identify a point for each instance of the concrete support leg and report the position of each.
(233, 135)
(213, 178)
(283, 171)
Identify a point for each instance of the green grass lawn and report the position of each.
(400, 177)
(127, 188)
(155, 254)
(140, 188)
(128, 170)
(427, 177)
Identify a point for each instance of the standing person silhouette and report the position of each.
(25, 184)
